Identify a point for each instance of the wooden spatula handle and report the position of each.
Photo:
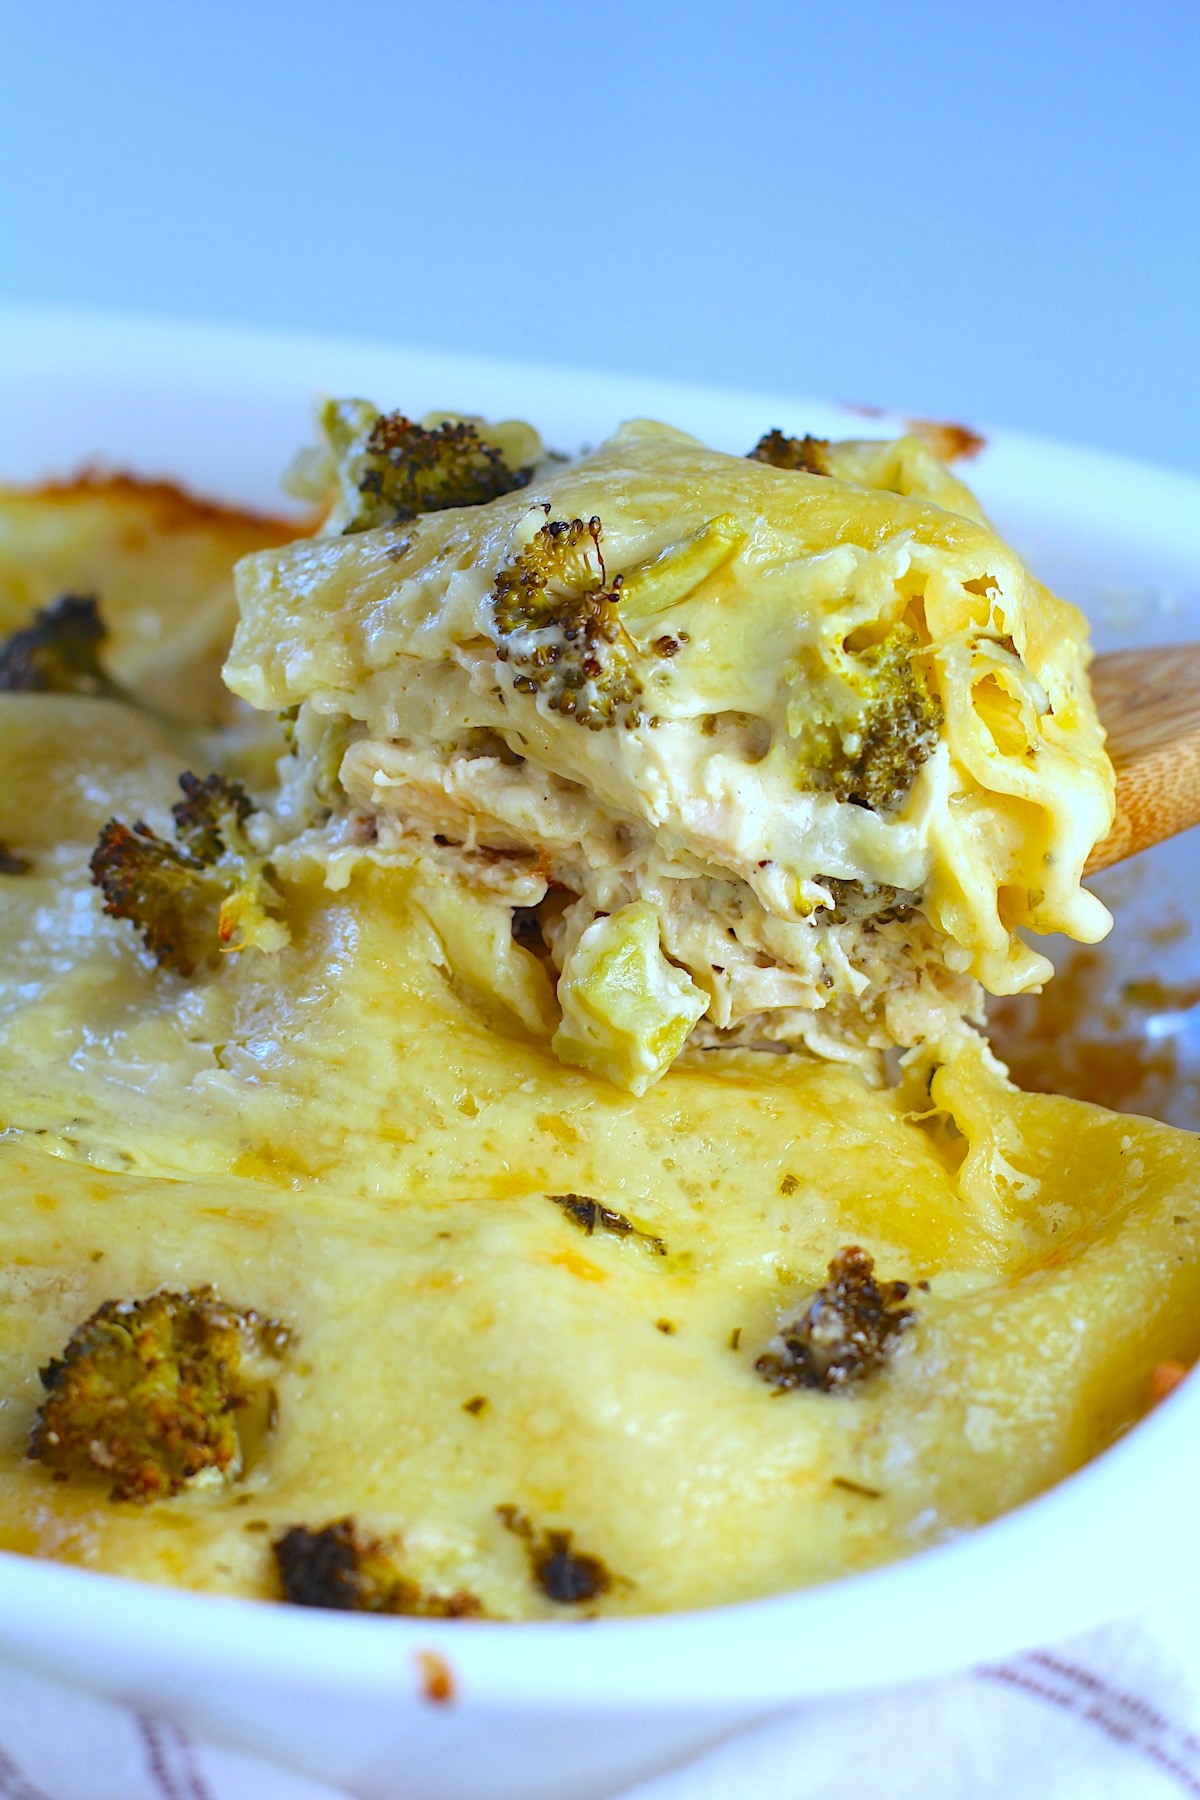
(1149, 702)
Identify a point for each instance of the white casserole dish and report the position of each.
(564, 1710)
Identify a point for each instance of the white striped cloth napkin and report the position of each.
(1112, 1716)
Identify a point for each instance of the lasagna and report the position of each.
(778, 756)
(494, 1120)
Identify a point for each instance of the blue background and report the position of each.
(972, 211)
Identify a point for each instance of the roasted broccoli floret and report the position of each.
(556, 623)
(590, 1215)
(59, 653)
(566, 1576)
(868, 903)
(389, 469)
(807, 453)
(345, 1569)
(408, 470)
(844, 1333)
(900, 728)
(147, 1393)
(206, 892)
(891, 726)
(386, 469)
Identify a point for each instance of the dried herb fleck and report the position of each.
(857, 1487)
(591, 1215)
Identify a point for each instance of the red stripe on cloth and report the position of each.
(171, 1761)
(1132, 1703)
(13, 1785)
(1124, 1718)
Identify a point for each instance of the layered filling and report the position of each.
(745, 753)
(842, 965)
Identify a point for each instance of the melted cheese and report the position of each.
(393, 1209)
(158, 561)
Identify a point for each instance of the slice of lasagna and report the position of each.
(772, 751)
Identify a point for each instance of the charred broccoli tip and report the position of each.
(557, 626)
(345, 1569)
(59, 653)
(209, 818)
(147, 1391)
(845, 1332)
(566, 1576)
(405, 469)
(206, 892)
(807, 453)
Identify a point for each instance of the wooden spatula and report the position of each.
(1149, 701)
